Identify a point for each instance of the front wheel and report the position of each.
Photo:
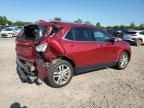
(60, 73)
(123, 61)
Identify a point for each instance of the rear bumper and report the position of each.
(4, 35)
(40, 69)
(31, 60)
(24, 72)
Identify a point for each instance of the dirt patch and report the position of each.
(106, 88)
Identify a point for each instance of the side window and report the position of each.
(142, 33)
(100, 36)
(69, 35)
(82, 34)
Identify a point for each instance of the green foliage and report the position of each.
(132, 25)
(4, 21)
(141, 27)
(21, 23)
(87, 22)
(123, 27)
(78, 21)
(98, 25)
(57, 19)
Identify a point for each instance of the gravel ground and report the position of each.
(105, 88)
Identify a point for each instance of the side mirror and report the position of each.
(116, 40)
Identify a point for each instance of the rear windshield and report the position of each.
(33, 32)
(131, 32)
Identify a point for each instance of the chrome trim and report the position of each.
(63, 37)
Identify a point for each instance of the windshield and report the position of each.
(8, 29)
(131, 32)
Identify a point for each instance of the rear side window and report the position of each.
(142, 33)
(81, 34)
(69, 35)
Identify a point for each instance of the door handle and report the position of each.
(71, 44)
(99, 45)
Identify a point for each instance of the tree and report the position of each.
(122, 27)
(98, 25)
(132, 25)
(78, 21)
(3, 20)
(57, 19)
(141, 27)
(21, 23)
(87, 22)
(116, 27)
(10, 23)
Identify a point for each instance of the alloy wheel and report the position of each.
(62, 74)
(123, 61)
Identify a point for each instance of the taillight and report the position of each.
(41, 47)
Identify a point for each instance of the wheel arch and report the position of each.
(63, 57)
(128, 52)
(140, 39)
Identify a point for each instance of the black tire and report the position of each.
(138, 42)
(22, 76)
(119, 63)
(50, 78)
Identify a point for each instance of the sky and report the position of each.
(107, 12)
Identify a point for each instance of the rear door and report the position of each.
(25, 47)
(79, 46)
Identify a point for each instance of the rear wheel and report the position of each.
(123, 61)
(138, 42)
(60, 74)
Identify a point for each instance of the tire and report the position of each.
(60, 73)
(123, 61)
(138, 42)
(22, 76)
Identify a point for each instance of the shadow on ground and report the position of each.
(17, 105)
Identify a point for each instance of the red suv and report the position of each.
(55, 51)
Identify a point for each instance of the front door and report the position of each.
(105, 49)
